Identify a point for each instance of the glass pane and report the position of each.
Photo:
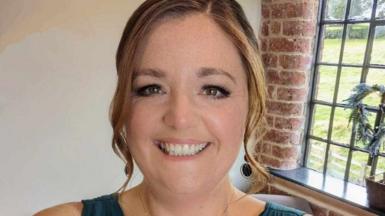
(331, 45)
(316, 156)
(355, 43)
(358, 168)
(350, 77)
(342, 130)
(320, 122)
(378, 54)
(380, 13)
(337, 161)
(335, 9)
(326, 83)
(361, 9)
(380, 165)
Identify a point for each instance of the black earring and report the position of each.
(246, 170)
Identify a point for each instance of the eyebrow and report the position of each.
(203, 72)
(209, 71)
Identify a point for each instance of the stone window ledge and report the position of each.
(327, 192)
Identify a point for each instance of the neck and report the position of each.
(158, 202)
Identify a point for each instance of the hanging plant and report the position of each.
(373, 137)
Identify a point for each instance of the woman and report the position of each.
(190, 91)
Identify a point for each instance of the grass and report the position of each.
(341, 132)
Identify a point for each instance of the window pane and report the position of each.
(378, 53)
(361, 9)
(331, 44)
(335, 9)
(337, 161)
(320, 122)
(355, 43)
(358, 168)
(342, 130)
(380, 13)
(326, 81)
(381, 165)
(350, 77)
(316, 156)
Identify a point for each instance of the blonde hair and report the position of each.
(229, 15)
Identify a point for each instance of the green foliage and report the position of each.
(372, 137)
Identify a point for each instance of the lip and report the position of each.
(179, 141)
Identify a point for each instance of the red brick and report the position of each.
(271, 91)
(269, 120)
(281, 137)
(265, 28)
(264, 45)
(265, 11)
(270, 161)
(290, 152)
(294, 62)
(318, 211)
(270, 60)
(299, 28)
(266, 148)
(290, 45)
(291, 94)
(288, 123)
(275, 27)
(293, 10)
(283, 108)
(285, 78)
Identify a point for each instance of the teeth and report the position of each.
(182, 149)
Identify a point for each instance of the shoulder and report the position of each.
(66, 209)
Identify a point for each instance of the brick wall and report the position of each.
(287, 37)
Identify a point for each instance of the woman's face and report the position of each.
(189, 105)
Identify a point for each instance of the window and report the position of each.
(350, 50)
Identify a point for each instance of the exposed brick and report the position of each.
(281, 137)
(318, 211)
(270, 60)
(265, 28)
(299, 28)
(295, 62)
(266, 148)
(283, 108)
(290, 45)
(271, 91)
(270, 161)
(265, 11)
(291, 94)
(270, 120)
(290, 152)
(264, 45)
(293, 10)
(288, 123)
(275, 27)
(285, 78)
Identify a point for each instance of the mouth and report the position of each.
(181, 149)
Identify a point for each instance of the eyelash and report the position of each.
(144, 91)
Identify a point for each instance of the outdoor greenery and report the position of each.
(341, 130)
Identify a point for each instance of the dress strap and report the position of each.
(106, 205)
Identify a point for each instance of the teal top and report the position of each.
(108, 205)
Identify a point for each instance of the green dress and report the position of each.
(108, 205)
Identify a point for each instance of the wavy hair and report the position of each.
(227, 14)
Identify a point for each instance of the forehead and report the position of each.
(188, 43)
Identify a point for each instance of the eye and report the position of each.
(216, 92)
(148, 90)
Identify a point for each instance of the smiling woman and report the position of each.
(190, 91)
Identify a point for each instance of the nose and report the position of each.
(180, 112)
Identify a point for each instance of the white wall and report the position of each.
(57, 78)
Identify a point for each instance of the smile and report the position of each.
(181, 149)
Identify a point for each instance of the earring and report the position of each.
(246, 170)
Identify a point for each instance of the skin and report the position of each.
(180, 107)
